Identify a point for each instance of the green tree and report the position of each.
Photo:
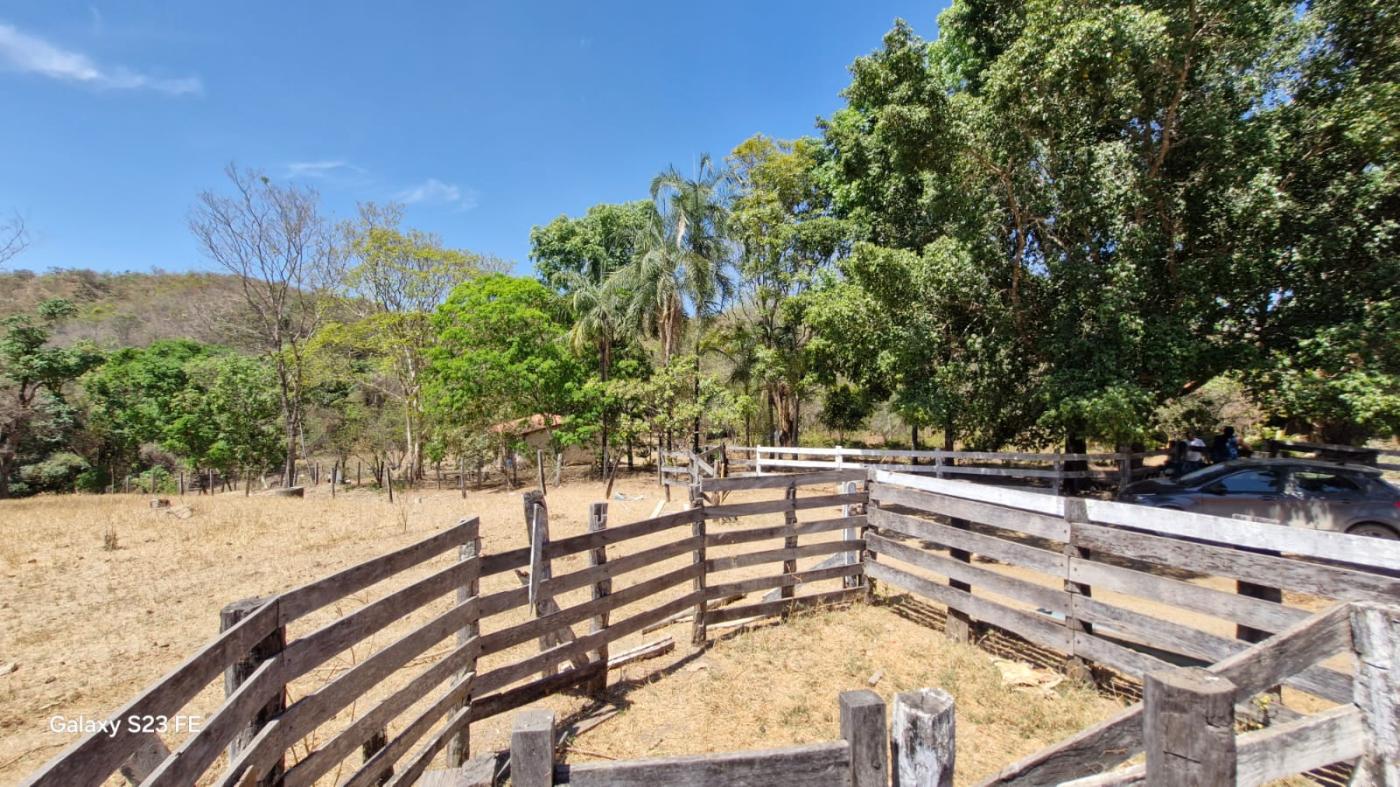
(787, 238)
(33, 374)
(227, 415)
(397, 278)
(501, 354)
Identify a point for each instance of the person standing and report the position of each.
(1225, 446)
(1195, 454)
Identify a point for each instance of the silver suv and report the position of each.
(1345, 498)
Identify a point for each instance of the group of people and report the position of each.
(1223, 447)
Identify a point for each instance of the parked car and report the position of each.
(1344, 498)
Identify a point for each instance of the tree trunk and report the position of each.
(695, 439)
(914, 443)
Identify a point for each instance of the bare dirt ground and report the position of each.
(84, 628)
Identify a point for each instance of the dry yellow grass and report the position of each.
(88, 626)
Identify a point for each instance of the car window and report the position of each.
(1317, 482)
(1252, 482)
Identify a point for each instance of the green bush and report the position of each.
(55, 474)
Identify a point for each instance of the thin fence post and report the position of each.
(1059, 480)
(959, 626)
(697, 531)
(850, 533)
(598, 556)
(789, 539)
(462, 476)
(235, 675)
(541, 567)
(1375, 636)
(371, 747)
(863, 727)
(1076, 667)
(839, 459)
(1188, 727)
(532, 749)
(459, 745)
(922, 739)
(867, 556)
(539, 469)
(758, 460)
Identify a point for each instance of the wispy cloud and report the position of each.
(322, 169)
(435, 192)
(34, 55)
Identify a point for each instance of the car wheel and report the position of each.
(1374, 530)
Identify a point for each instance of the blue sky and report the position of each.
(485, 118)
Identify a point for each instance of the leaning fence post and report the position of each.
(922, 738)
(697, 532)
(1076, 512)
(1375, 636)
(541, 570)
(269, 647)
(863, 727)
(598, 556)
(532, 749)
(1188, 727)
(459, 745)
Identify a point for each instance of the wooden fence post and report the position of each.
(1375, 636)
(598, 556)
(790, 539)
(539, 469)
(850, 534)
(697, 531)
(459, 745)
(1075, 666)
(371, 747)
(532, 749)
(863, 727)
(922, 736)
(959, 626)
(462, 476)
(867, 556)
(1058, 482)
(1188, 727)
(541, 567)
(269, 647)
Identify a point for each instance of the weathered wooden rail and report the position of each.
(1108, 585)
(1059, 471)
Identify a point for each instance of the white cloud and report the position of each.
(34, 55)
(320, 169)
(435, 192)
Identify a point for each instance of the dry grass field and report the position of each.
(83, 627)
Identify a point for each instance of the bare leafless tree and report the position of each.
(13, 238)
(275, 240)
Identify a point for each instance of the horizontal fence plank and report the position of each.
(897, 453)
(784, 553)
(511, 636)
(508, 674)
(1288, 652)
(1208, 648)
(1029, 522)
(383, 760)
(1042, 560)
(781, 481)
(1040, 502)
(1049, 598)
(1335, 735)
(778, 506)
(767, 608)
(200, 750)
(95, 757)
(1256, 613)
(312, 650)
(1006, 472)
(730, 537)
(817, 764)
(314, 595)
(1358, 550)
(613, 535)
(485, 707)
(797, 579)
(1296, 575)
(311, 710)
(1036, 628)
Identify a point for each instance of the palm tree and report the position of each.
(599, 309)
(686, 251)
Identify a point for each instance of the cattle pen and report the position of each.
(1096, 585)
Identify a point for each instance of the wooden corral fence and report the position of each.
(1384, 458)
(1186, 722)
(685, 467)
(1047, 469)
(255, 658)
(1106, 585)
(920, 743)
